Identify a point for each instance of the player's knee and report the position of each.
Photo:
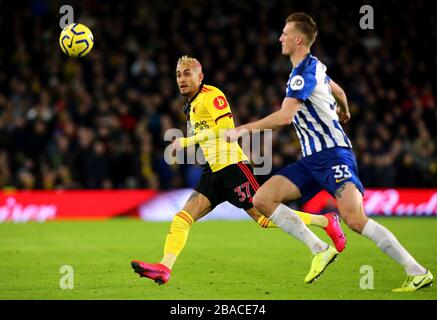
(262, 203)
(354, 222)
(356, 226)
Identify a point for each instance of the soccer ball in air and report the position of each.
(76, 40)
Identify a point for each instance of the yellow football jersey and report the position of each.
(206, 108)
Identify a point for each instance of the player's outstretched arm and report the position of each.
(208, 134)
(280, 118)
(340, 97)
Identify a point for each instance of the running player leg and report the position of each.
(268, 200)
(261, 220)
(241, 185)
(196, 207)
(350, 205)
(328, 222)
(323, 221)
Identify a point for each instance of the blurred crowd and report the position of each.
(99, 122)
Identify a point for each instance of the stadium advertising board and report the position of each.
(22, 206)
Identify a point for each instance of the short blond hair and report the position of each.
(191, 62)
(305, 24)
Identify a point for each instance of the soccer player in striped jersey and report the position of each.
(312, 101)
(226, 176)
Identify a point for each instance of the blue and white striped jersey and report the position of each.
(316, 123)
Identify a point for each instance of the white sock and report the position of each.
(387, 242)
(290, 222)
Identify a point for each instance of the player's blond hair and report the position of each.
(191, 62)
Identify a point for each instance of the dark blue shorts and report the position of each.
(327, 169)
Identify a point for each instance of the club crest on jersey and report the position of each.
(220, 103)
(297, 82)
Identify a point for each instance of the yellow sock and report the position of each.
(176, 237)
(312, 219)
(306, 217)
(265, 223)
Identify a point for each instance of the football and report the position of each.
(76, 40)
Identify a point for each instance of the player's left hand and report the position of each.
(176, 145)
(343, 115)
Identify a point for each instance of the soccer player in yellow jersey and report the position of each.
(226, 176)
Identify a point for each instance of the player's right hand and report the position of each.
(343, 115)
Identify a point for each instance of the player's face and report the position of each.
(288, 39)
(188, 79)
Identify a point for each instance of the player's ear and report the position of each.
(299, 39)
(302, 40)
(201, 76)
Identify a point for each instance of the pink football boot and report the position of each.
(155, 271)
(334, 231)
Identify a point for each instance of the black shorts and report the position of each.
(234, 183)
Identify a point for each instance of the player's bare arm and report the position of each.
(277, 119)
(340, 97)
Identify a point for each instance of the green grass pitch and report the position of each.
(222, 260)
